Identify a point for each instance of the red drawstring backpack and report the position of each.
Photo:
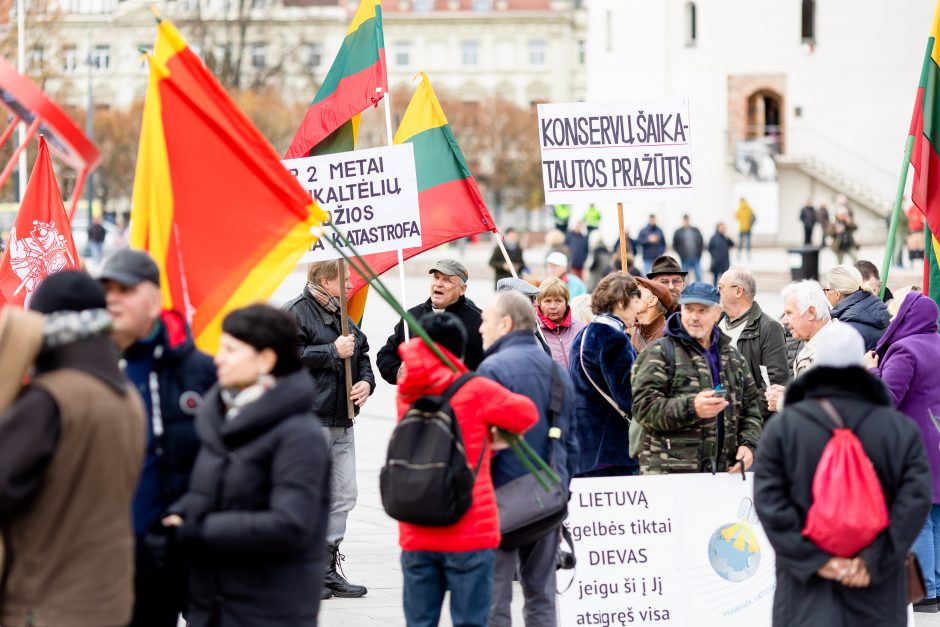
(848, 508)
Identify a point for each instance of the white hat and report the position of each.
(838, 345)
(557, 258)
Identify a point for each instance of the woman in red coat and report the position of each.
(458, 557)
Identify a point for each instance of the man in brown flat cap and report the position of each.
(667, 271)
(656, 301)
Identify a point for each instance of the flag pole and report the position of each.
(623, 238)
(896, 215)
(401, 258)
(512, 269)
(344, 328)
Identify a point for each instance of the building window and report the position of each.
(258, 53)
(424, 5)
(582, 52)
(402, 53)
(809, 21)
(313, 56)
(537, 52)
(34, 58)
(101, 57)
(470, 50)
(69, 60)
(609, 28)
(482, 5)
(691, 24)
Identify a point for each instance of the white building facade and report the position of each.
(790, 100)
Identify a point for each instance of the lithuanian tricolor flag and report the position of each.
(925, 129)
(214, 207)
(356, 81)
(450, 202)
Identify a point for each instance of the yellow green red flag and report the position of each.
(212, 204)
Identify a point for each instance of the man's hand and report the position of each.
(172, 521)
(707, 405)
(773, 394)
(835, 569)
(499, 443)
(857, 575)
(746, 457)
(871, 360)
(401, 373)
(345, 346)
(360, 393)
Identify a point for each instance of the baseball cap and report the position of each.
(129, 268)
(450, 267)
(701, 293)
(557, 259)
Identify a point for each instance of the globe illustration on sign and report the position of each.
(733, 550)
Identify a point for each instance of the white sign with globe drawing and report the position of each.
(667, 550)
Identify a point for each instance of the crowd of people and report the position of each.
(143, 479)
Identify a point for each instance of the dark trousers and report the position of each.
(536, 564)
(808, 234)
(158, 601)
(429, 574)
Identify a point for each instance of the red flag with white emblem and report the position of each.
(40, 241)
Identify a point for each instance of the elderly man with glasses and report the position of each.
(758, 337)
(667, 272)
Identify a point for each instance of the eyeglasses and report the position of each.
(722, 286)
(826, 290)
(671, 281)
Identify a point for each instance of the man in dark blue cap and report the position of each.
(693, 394)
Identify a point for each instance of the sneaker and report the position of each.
(927, 606)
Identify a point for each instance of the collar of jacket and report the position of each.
(646, 331)
(851, 382)
(513, 338)
(864, 308)
(95, 355)
(611, 321)
(321, 313)
(752, 326)
(453, 308)
(552, 326)
(675, 329)
(293, 394)
(174, 339)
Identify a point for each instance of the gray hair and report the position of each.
(808, 294)
(518, 308)
(744, 278)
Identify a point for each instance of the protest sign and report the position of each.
(370, 195)
(616, 152)
(683, 550)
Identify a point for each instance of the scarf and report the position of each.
(553, 326)
(324, 298)
(646, 333)
(235, 399)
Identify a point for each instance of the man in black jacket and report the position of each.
(323, 348)
(759, 337)
(688, 243)
(447, 294)
(172, 376)
(813, 586)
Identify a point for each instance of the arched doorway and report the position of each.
(765, 118)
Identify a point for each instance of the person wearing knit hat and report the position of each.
(71, 444)
(656, 303)
(814, 587)
(556, 264)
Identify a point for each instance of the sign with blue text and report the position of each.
(683, 550)
(616, 152)
(371, 196)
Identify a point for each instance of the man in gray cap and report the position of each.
(171, 375)
(448, 289)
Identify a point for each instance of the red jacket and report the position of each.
(478, 405)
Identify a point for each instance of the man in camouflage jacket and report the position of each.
(690, 424)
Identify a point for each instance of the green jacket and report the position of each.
(674, 439)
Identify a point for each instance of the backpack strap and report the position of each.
(669, 357)
(832, 412)
(455, 428)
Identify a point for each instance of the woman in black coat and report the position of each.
(254, 520)
(813, 587)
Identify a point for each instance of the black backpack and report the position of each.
(426, 479)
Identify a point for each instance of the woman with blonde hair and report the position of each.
(558, 324)
(855, 303)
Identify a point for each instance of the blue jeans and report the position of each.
(429, 574)
(693, 265)
(343, 488)
(927, 549)
(745, 244)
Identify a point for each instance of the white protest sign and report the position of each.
(684, 550)
(370, 195)
(616, 152)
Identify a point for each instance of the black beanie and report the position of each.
(447, 330)
(69, 290)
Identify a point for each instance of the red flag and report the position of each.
(40, 241)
